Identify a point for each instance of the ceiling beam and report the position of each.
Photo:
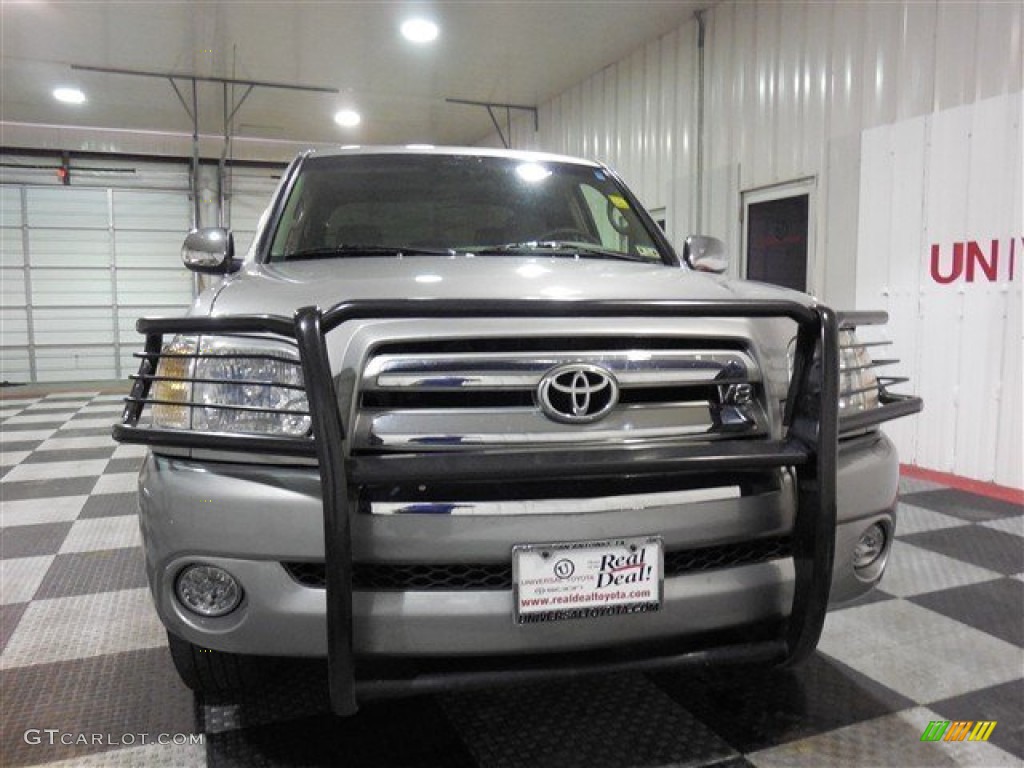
(202, 79)
(491, 106)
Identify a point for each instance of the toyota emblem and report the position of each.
(577, 393)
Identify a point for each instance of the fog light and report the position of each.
(208, 590)
(870, 547)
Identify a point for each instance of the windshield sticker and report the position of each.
(619, 202)
(647, 252)
(599, 176)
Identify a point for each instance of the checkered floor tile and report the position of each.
(86, 679)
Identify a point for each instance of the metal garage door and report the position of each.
(81, 263)
(250, 190)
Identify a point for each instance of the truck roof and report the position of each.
(427, 149)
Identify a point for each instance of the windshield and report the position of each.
(372, 205)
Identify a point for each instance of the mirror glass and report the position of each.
(705, 254)
(208, 250)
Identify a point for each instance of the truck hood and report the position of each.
(280, 289)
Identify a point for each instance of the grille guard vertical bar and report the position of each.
(814, 399)
(328, 434)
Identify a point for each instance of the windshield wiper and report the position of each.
(556, 247)
(353, 249)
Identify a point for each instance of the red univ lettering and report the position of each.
(970, 259)
(957, 266)
(975, 256)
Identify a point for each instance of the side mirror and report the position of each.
(210, 250)
(705, 254)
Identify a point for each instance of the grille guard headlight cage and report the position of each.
(865, 399)
(228, 384)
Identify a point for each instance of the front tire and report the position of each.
(212, 672)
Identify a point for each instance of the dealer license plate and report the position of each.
(579, 580)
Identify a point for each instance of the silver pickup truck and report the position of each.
(465, 416)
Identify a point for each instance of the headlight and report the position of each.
(173, 384)
(858, 384)
(239, 385)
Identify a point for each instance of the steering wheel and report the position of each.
(568, 233)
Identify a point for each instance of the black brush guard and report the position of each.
(810, 446)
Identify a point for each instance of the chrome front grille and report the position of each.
(486, 394)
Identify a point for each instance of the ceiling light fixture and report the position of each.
(419, 30)
(69, 95)
(347, 118)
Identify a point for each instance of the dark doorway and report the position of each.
(777, 241)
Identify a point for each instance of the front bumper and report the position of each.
(256, 518)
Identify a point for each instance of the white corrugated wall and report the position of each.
(790, 90)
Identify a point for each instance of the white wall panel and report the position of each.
(12, 287)
(55, 288)
(250, 193)
(1000, 49)
(139, 209)
(14, 364)
(11, 249)
(150, 250)
(69, 248)
(68, 327)
(67, 207)
(10, 206)
(994, 169)
(154, 287)
(916, 63)
(944, 181)
(92, 253)
(15, 323)
(74, 363)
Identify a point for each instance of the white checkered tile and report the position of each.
(918, 653)
(13, 458)
(102, 533)
(106, 421)
(37, 418)
(20, 577)
(130, 452)
(35, 511)
(911, 519)
(150, 756)
(118, 482)
(68, 406)
(84, 626)
(1014, 525)
(18, 403)
(103, 409)
(76, 443)
(914, 571)
(55, 470)
(24, 435)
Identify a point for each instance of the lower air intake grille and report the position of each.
(726, 556)
(422, 577)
